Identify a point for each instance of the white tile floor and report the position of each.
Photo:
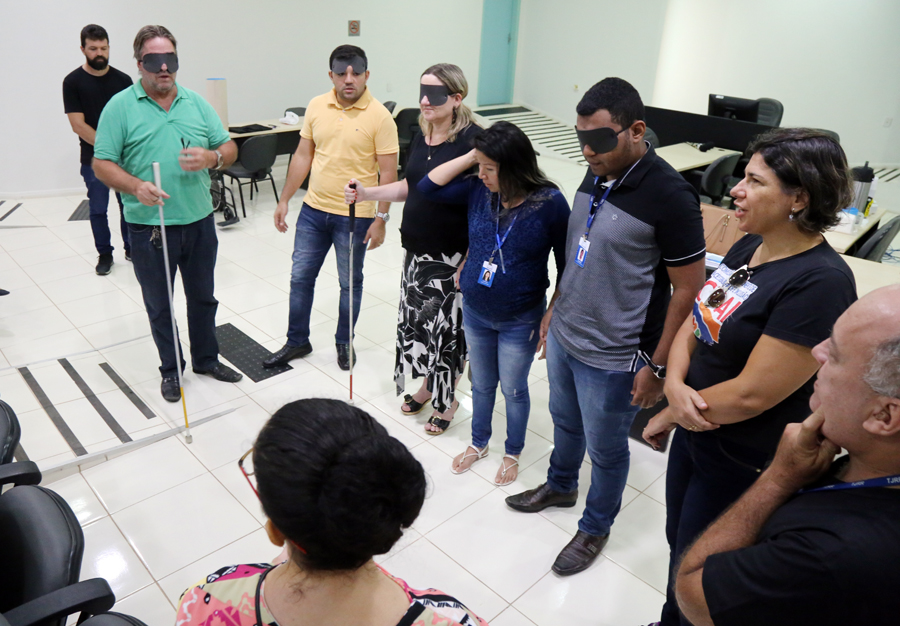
(159, 518)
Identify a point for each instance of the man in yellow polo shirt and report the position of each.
(346, 134)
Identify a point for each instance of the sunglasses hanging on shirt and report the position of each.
(738, 278)
(154, 61)
(437, 94)
(601, 140)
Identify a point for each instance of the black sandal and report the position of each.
(438, 422)
(415, 406)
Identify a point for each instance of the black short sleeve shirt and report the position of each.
(88, 94)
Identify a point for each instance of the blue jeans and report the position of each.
(192, 249)
(98, 200)
(591, 408)
(317, 231)
(705, 475)
(501, 352)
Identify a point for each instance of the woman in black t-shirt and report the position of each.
(741, 367)
(430, 340)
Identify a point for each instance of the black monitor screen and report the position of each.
(733, 108)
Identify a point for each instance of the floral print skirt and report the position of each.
(430, 338)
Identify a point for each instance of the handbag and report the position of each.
(720, 227)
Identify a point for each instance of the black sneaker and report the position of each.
(104, 264)
(128, 255)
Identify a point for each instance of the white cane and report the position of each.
(162, 229)
(350, 334)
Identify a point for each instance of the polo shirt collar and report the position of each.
(141, 94)
(640, 169)
(362, 103)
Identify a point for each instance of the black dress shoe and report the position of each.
(169, 389)
(540, 498)
(287, 353)
(579, 553)
(343, 355)
(221, 372)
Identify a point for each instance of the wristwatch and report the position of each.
(220, 160)
(385, 216)
(658, 370)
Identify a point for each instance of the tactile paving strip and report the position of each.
(246, 354)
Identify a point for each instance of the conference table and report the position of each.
(288, 134)
(684, 156)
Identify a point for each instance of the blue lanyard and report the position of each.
(500, 241)
(593, 209)
(884, 481)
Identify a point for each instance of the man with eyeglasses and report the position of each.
(634, 263)
(158, 120)
(346, 134)
(811, 541)
(86, 90)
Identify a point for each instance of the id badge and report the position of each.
(583, 246)
(488, 270)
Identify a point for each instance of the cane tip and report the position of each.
(188, 438)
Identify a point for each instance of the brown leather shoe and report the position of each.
(579, 553)
(540, 498)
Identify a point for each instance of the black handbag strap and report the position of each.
(259, 585)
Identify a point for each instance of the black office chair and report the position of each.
(770, 112)
(300, 111)
(10, 433)
(390, 105)
(113, 619)
(40, 557)
(830, 133)
(716, 178)
(875, 247)
(255, 162)
(650, 136)
(407, 121)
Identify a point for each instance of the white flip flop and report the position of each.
(506, 468)
(478, 454)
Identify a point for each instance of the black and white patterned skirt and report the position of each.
(430, 338)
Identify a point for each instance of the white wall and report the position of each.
(274, 54)
(833, 64)
(579, 42)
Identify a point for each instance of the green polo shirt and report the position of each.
(134, 131)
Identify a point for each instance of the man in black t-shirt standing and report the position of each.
(85, 92)
(828, 554)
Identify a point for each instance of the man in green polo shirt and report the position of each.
(159, 120)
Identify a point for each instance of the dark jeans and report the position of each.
(192, 249)
(592, 410)
(98, 200)
(706, 474)
(316, 232)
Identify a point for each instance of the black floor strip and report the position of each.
(887, 180)
(83, 212)
(20, 454)
(95, 402)
(7, 214)
(121, 384)
(503, 111)
(52, 413)
(246, 354)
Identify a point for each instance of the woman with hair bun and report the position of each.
(338, 490)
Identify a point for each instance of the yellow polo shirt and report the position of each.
(347, 143)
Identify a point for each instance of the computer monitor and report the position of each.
(733, 108)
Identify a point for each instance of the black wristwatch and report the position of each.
(658, 370)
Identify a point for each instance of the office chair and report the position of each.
(716, 177)
(40, 558)
(830, 133)
(770, 112)
(650, 136)
(255, 162)
(390, 105)
(407, 121)
(112, 619)
(10, 433)
(300, 111)
(877, 244)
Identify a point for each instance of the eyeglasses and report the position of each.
(247, 475)
(738, 278)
